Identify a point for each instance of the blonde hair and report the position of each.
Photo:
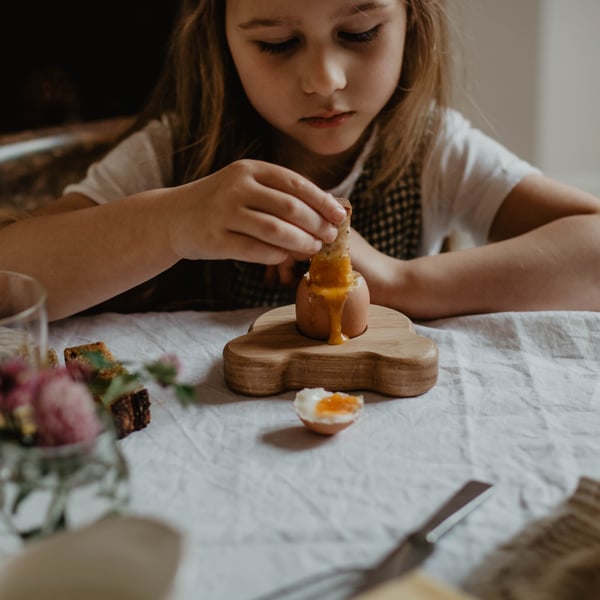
(215, 124)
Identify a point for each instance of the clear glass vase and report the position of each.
(45, 489)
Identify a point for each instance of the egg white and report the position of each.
(307, 399)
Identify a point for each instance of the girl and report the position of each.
(265, 110)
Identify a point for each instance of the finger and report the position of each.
(293, 184)
(286, 271)
(270, 278)
(250, 249)
(275, 231)
(276, 207)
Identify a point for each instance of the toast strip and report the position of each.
(131, 411)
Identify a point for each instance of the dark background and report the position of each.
(64, 62)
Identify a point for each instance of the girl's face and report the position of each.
(318, 71)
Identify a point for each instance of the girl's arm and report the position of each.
(544, 255)
(85, 253)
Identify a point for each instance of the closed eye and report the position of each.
(345, 36)
(361, 37)
(279, 47)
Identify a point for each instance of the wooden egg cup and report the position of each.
(389, 357)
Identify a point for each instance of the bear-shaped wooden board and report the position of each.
(389, 358)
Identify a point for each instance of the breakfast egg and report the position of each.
(327, 412)
(334, 314)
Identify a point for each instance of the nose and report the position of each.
(322, 73)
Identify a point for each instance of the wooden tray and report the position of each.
(389, 358)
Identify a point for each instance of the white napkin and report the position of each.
(118, 558)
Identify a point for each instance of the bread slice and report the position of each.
(340, 247)
(52, 358)
(131, 411)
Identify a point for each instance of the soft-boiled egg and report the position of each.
(334, 314)
(327, 412)
(332, 300)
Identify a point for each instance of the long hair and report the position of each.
(214, 123)
(414, 115)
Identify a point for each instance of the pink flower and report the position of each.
(59, 406)
(171, 360)
(164, 370)
(79, 371)
(65, 412)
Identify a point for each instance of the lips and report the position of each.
(327, 120)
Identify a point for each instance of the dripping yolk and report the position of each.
(337, 404)
(332, 278)
(330, 273)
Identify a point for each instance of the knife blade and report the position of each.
(418, 545)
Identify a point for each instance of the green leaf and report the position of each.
(120, 385)
(98, 361)
(108, 390)
(163, 373)
(186, 394)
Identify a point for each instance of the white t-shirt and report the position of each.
(465, 178)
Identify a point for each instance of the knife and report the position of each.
(417, 546)
(414, 549)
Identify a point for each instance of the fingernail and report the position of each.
(317, 245)
(340, 213)
(330, 234)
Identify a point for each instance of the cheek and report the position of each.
(383, 75)
(386, 81)
(247, 69)
(261, 85)
(258, 91)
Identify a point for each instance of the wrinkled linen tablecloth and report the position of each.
(263, 502)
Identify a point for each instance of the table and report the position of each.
(262, 501)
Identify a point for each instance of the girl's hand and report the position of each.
(288, 273)
(380, 271)
(253, 211)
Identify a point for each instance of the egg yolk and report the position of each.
(337, 404)
(331, 278)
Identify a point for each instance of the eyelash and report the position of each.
(350, 38)
(362, 37)
(280, 48)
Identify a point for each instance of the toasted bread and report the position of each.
(131, 411)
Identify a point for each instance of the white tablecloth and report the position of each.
(262, 501)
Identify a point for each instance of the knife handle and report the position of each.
(456, 508)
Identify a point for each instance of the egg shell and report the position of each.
(306, 403)
(326, 428)
(312, 315)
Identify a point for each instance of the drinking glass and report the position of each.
(23, 318)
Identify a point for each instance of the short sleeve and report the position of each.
(140, 162)
(465, 179)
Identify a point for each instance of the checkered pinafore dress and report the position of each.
(390, 221)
